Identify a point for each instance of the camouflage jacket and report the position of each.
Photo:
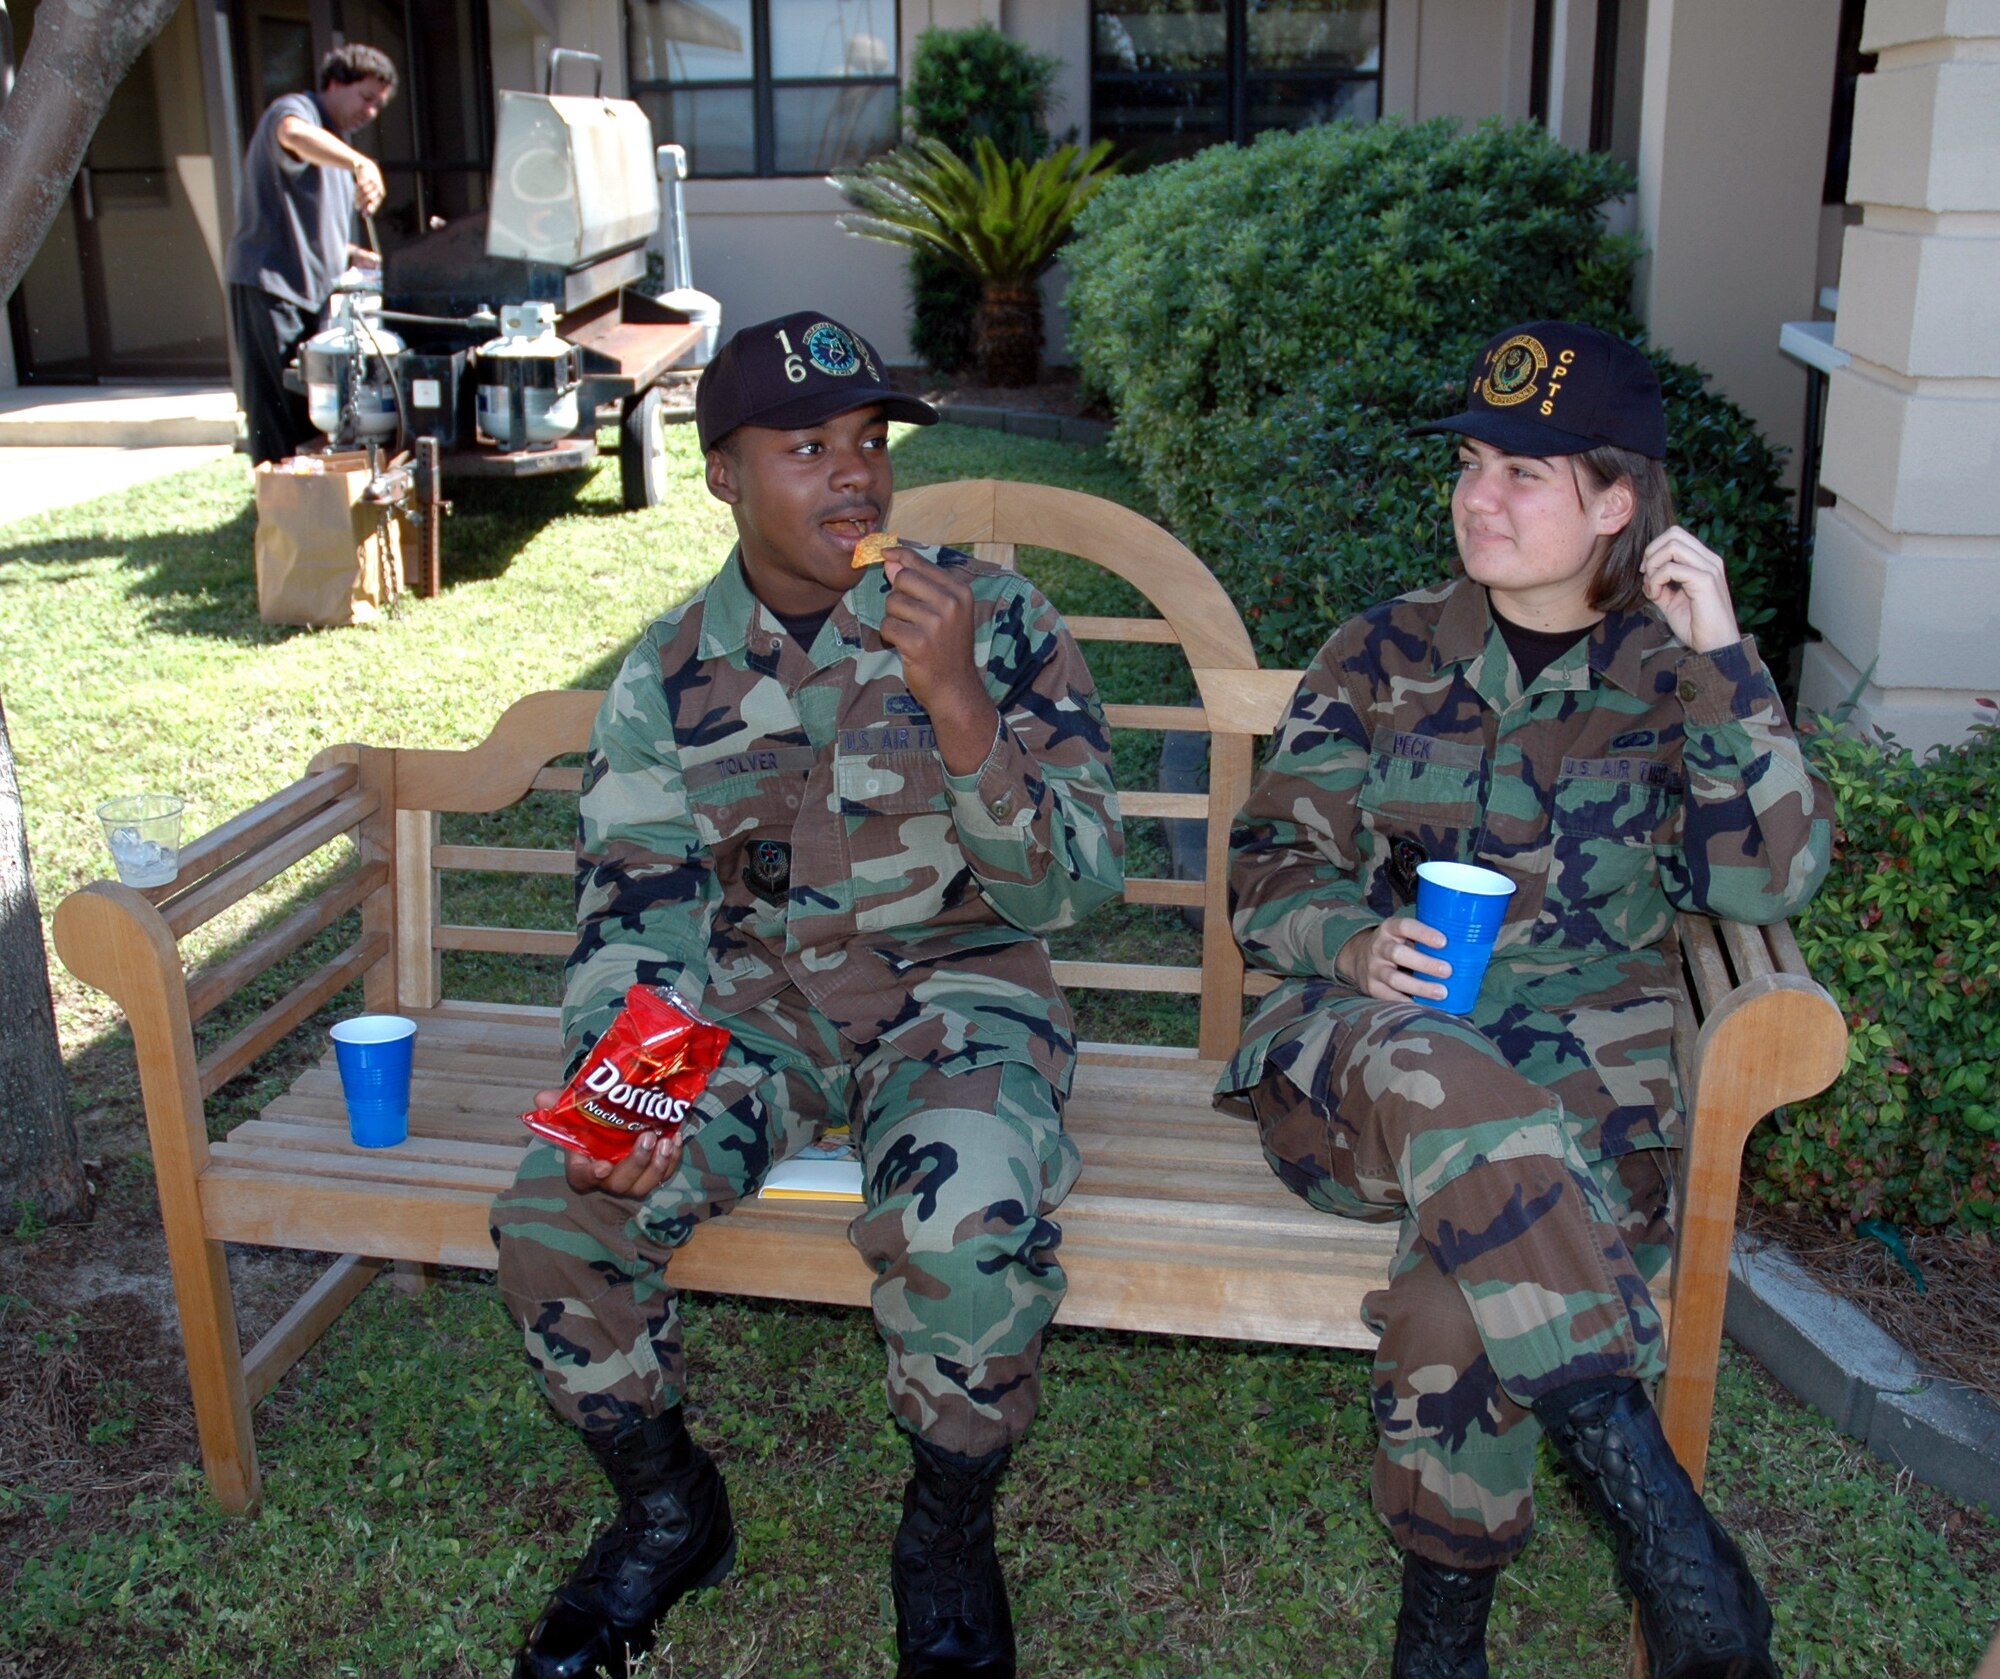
(1631, 779)
(757, 815)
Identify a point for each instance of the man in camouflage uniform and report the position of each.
(1644, 765)
(836, 810)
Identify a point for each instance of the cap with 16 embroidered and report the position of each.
(1554, 388)
(792, 372)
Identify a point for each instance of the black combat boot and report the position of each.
(1441, 1628)
(1700, 1612)
(672, 1535)
(951, 1604)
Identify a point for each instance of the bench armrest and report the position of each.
(1770, 1034)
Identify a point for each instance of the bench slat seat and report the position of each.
(1175, 1212)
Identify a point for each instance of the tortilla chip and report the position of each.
(870, 549)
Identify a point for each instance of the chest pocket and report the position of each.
(1414, 781)
(893, 783)
(748, 794)
(1633, 800)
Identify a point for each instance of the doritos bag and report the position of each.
(642, 1075)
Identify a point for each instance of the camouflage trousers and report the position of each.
(1523, 1265)
(960, 1173)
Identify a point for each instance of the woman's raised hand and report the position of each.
(1389, 962)
(1687, 581)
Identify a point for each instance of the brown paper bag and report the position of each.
(320, 554)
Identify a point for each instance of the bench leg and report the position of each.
(410, 1277)
(1636, 1665)
(215, 1374)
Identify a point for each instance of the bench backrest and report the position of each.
(991, 518)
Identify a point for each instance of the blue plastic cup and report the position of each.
(1467, 904)
(374, 1052)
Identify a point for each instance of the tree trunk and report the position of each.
(1010, 335)
(39, 1165)
(79, 52)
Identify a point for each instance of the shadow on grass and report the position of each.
(494, 519)
(203, 581)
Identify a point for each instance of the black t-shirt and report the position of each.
(1535, 650)
(293, 219)
(803, 628)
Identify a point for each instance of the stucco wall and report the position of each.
(1732, 159)
(764, 248)
(1458, 58)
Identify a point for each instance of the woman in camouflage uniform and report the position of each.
(1580, 712)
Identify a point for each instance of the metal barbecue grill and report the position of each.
(496, 340)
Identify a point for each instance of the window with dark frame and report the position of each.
(1169, 77)
(767, 87)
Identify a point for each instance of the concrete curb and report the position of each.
(114, 416)
(1833, 1356)
(1025, 422)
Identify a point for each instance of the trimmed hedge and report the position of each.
(1906, 935)
(1266, 320)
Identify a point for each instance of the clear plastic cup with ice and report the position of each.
(144, 833)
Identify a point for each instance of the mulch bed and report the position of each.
(1952, 1325)
(1055, 393)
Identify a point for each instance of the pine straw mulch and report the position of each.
(1951, 1326)
(91, 1363)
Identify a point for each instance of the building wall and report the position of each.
(167, 270)
(1732, 162)
(766, 247)
(1458, 58)
(519, 45)
(1060, 28)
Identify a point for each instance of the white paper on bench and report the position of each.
(826, 1170)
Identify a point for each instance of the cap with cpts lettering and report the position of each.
(1556, 388)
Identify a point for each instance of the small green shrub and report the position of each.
(965, 83)
(1267, 320)
(1906, 935)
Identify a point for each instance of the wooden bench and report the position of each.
(1176, 1226)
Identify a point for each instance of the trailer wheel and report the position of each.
(642, 448)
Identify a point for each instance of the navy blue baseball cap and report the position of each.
(796, 371)
(1555, 388)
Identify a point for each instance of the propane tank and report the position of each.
(335, 393)
(527, 379)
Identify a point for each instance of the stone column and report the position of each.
(1906, 568)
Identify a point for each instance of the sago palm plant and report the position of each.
(1001, 219)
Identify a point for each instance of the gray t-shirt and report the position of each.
(293, 219)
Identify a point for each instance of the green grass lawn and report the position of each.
(1183, 1508)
